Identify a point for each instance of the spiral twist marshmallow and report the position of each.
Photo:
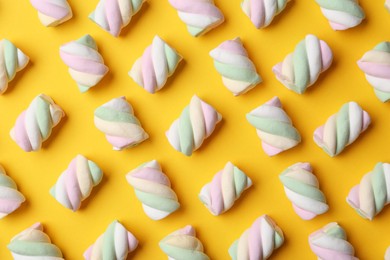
(376, 66)
(302, 189)
(262, 12)
(274, 127)
(342, 128)
(10, 197)
(116, 243)
(75, 184)
(301, 69)
(33, 243)
(237, 70)
(52, 12)
(342, 14)
(34, 125)
(226, 187)
(113, 15)
(259, 241)
(195, 124)
(12, 60)
(153, 188)
(86, 65)
(200, 16)
(158, 62)
(183, 244)
(330, 242)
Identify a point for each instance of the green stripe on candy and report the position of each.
(87, 40)
(240, 181)
(185, 132)
(379, 187)
(108, 114)
(43, 117)
(347, 6)
(233, 250)
(136, 5)
(28, 248)
(194, 31)
(6, 181)
(336, 232)
(96, 172)
(301, 68)
(281, 5)
(383, 46)
(157, 202)
(172, 58)
(11, 58)
(342, 128)
(278, 240)
(383, 96)
(302, 188)
(236, 73)
(109, 242)
(182, 253)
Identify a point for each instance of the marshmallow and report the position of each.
(52, 12)
(237, 70)
(195, 124)
(342, 128)
(10, 197)
(153, 188)
(262, 12)
(259, 241)
(387, 5)
(226, 187)
(274, 127)
(376, 66)
(158, 62)
(387, 254)
(34, 125)
(86, 65)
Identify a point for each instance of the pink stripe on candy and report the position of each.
(119, 142)
(50, 9)
(375, 69)
(210, 117)
(216, 197)
(326, 55)
(353, 197)
(151, 174)
(257, 12)
(269, 149)
(8, 205)
(20, 133)
(113, 15)
(324, 253)
(254, 241)
(148, 74)
(304, 214)
(83, 64)
(202, 8)
(337, 26)
(233, 46)
(72, 187)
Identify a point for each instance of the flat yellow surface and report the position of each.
(234, 140)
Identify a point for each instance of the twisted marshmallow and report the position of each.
(153, 188)
(34, 125)
(342, 128)
(86, 65)
(158, 62)
(52, 12)
(195, 124)
(237, 70)
(259, 241)
(274, 127)
(226, 187)
(10, 197)
(262, 12)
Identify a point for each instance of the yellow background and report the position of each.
(234, 140)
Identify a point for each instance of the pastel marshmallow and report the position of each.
(262, 12)
(52, 12)
(10, 197)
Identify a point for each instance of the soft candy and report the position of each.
(10, 197)
(183, 244)
(195, 124)
(158, 62)
(75, 184)
(301, 69)
(153, 188)
(86, 65)
(237, 70)
(52, 12)
(34, 125)
(342, 128)
(376, 66)
(113, 15)
(274, 127)
(262, 12)
(226, 187)
(302, 189)
(200, 16)
(330, 242)
(116, 243)
(259, 241)
(117, 121)
(32, 244)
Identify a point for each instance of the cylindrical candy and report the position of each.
(262, 12)
(52, 12)
(86, 65)
(34, 125)
(158, 62)
(342, 128)
(226, 187)
(153, 188)
(237, 70)
(10, 197)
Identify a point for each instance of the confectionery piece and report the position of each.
(34, 125)
(86, 65)
(387, 254)
(153, 188)
(262, 12)
(342, 14)
(183, 244)
(116, 243)
(158, 62)
(330, 242)
(33, 243)
(237, 70)
(75, 184)
(302, 189)
(117, 121)
(376, 66)
(200, 16)
(10, 197)
(226, 187)
(52, 12)
(342, 128)
(387, 5)
(274, 127)
(259, 241)
(195, 124)
(301, 69)
(12, 60)
(373, 193)
(113, 15)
